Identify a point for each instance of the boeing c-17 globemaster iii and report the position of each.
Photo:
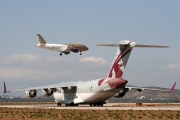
(62, 48)
(94, 92)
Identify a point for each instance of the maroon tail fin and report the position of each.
(121, 59)
(5, 90)
(173, 87)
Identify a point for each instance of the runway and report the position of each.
(108, 106)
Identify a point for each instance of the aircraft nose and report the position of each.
(117, 83)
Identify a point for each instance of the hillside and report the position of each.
(149, 96)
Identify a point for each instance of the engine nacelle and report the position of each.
(30, 94)
(47, 93)
(59, 95)
(121, 93)
(75, 50)
(139, 90)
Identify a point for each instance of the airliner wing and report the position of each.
(140, 89)
(54, 87)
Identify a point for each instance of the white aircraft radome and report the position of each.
(94, 92)
(62, 48)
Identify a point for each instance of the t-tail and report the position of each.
(122, 55)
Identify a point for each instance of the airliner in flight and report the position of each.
(94, 92)
(62, 48)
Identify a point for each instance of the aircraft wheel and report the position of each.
(58, 104)
(94, 104)
(90, 104)
(67, 104)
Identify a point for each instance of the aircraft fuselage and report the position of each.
(94, 91)
(62, 47)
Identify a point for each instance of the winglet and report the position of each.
(5, 90)
(173, 87)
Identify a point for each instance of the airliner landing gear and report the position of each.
(80, 53)
(58, 104)
(60, 54)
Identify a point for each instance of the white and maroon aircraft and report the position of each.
(62, 48)
(94, 92)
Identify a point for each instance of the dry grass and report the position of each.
(54, 114)
(25, 103)
(146, 104)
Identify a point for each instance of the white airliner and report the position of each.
(94, 92)
(62, 48)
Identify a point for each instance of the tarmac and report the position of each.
(108, 106)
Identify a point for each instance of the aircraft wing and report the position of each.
(54, 87)
(140, 89)
(64, 48)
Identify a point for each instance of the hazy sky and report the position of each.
(88, 22)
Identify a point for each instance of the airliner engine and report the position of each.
(121, 93)
(30, 94)
(59, 95)
(75, 50)
(47, 93)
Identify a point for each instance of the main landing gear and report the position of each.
(66, 53)
(97, 104)
(58, 104)
(71, 104)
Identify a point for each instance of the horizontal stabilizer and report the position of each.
(110, 45)
(136, 45)
(150, 46)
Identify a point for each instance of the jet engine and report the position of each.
(59, 95)
(30, 94)
(121, 93)
(75, 50)
(47, 93)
